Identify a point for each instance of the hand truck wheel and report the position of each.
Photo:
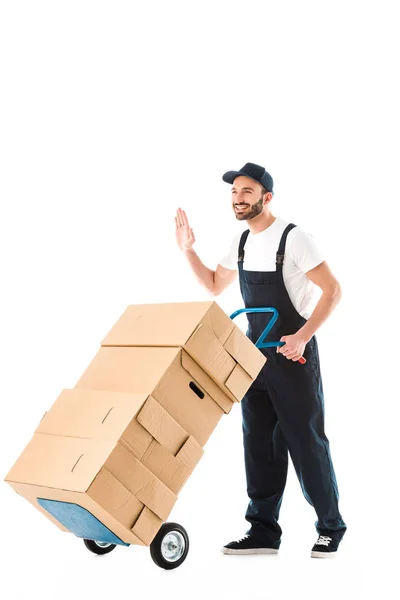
(99, 547)
(170, 546)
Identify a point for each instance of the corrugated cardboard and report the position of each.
(124, 441)
(92, 473)
(204, 330)
(137, 421)
(159, 372)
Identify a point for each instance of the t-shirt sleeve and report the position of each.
(304, 249)
(229, 260)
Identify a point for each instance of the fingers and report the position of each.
(289, 354)
(185, 219)
(178, 223)
(182, 218)
(179, 217)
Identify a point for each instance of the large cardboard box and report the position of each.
(136, 421)
(102, 477)
(205, 332)
(169, 375)
(120, 456)
(123, 442)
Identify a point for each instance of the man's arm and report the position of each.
(215, 282)
(323, 277)
(331, 294)
(223, 278)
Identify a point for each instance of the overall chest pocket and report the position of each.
(260, 277)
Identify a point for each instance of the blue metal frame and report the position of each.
(260, 343)
(80, 521)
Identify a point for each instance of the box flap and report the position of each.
(238, 382)
(93, 414)
(136, 439)
(141, 482)
(158, 498)
(164, 465)
(242, 349)
(60, 462)
(207, 384)
(115, 498)
(190, 453)
(187, 402)
(147, 526)
(210, 354)
(219, 322)
(166, 324)
(162, 426)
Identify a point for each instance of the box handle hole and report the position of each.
(196, 389)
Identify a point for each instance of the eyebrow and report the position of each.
(244, 188)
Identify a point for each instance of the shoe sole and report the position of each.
(316, 554)
(250, 551)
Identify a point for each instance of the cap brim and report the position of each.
(230, 176)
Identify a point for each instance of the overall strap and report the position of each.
(282, 244)
(242, 242)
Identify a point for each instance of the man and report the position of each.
(283, 411)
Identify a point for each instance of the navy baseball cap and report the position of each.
(253, 171)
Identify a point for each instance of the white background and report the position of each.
(113, 115)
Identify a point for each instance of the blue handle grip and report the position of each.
(260, 342)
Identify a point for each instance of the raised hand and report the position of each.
(184, 234)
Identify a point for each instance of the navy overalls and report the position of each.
(284, 410)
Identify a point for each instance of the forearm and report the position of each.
(326, 304)
(203, 274)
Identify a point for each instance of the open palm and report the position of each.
(184, 234)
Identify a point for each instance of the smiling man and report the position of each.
(279, 266)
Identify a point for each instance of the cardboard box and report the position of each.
(203, 330)
(75, 456)
(137, 421)
(123, 442)
(101, 476)
(169, 375)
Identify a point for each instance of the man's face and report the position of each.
(247, 199)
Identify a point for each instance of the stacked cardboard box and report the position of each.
(123, 442)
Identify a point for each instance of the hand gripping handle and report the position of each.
(260, 343)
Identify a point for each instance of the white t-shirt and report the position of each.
(301, 255)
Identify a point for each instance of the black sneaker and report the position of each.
(325, 547)
(249, 544)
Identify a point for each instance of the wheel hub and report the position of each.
(103, 544)
(173, 546)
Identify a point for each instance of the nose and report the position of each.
(239, 199)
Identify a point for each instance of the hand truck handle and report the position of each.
(260, 343)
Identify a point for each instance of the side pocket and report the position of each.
(312, 355)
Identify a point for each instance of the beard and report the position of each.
(253, 210)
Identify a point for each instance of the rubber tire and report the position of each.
(155, 546)
(93, 547)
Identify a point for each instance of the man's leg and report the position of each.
(266, 464)
(299, 404)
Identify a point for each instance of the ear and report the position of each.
(267, 197)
